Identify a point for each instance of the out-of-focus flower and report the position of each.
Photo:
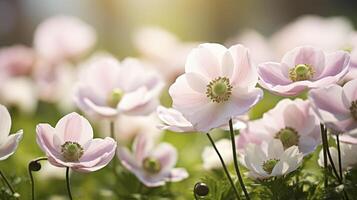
(348, 156)
(17, 88)
(270, 159)
(169, 56)
(262, 51)
(337, 106)
(303, 68)
(293, 122)
(152, 166)
(17, 60)
(20, 92)
(8, 143)
(306, 30)
(128, 127)
(107, 88)
(173, 120)
(219, 84)
(71, 144)
(63, 38)
(210, 158)
(55, 84)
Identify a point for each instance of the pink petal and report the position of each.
(167, 155)
(74, 128)
(197, 82)
(5, 123)
(177, 174)
(201, 60)
(305, 55)
(174, 119)
(97, 147)
(274, 73)
(350, 92)
(9, 147)
(335, 64)
(227, 65)
(141, 147)
(104, 111)
(245, 74)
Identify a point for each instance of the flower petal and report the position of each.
(5, 124)
(10, 145)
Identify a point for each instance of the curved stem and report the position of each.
(330, 157)
(339, 155)
(322, 130)
(235, 159)
(68, 184)
(30, 169)
(224, 166)
(7, 183)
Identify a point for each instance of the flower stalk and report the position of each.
(235, 159)
(34, 166)
(7, 183)
(68, 184)
(224, 166)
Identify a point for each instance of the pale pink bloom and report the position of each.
(337, 106)
(352, 47)
(63, 37)
(327, 33)
(262, 51)
(169, 56)
(348, 156)
(173, 120)
(270, 159)
(303, 68)
(70, 144)
(153, 166)
(218, 84)
(16, 60)
(108, 88)
(210, 158)
(8, 143)
(293, 122)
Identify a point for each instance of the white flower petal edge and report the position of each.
(8, 143)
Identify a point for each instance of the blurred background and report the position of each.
(117, 23)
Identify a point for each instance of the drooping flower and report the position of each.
(210, 158)
(348, 156)
(270, 159)
(62, 37)
(337, 106)
(107, 88)
(153, 166)
(218, 84)
(70, 144)
(293, 122)
(168, 57)
(173, 120)
(8, 143)
(303, 68)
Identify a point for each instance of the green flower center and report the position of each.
(301, 72)
(219, 90)
(151, 165)
(353, 109)
(114, 97)
(72, 151)
(269, 165)
(288, 136)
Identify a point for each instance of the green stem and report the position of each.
(7, 183)
(68, 184)
(34, 165)
(224, 166)
(235, 159)
(322, 129)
